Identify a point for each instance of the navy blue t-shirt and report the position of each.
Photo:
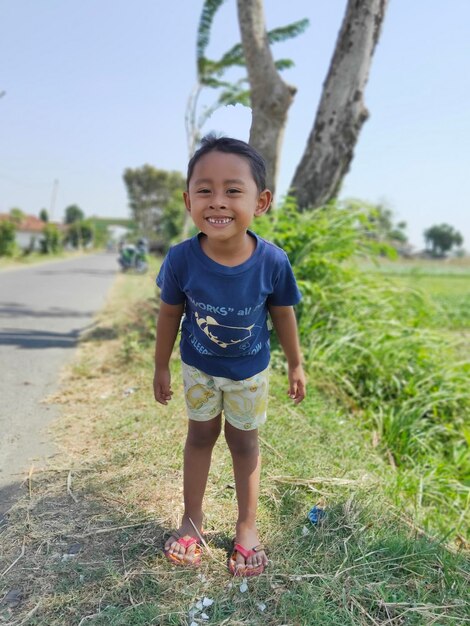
(224, 330)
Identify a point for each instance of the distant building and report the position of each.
(28, 231)
(117, 233)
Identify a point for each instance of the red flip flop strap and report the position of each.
(243, 551)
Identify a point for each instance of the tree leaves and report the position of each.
(210, 72)
(208, 69)
(151, 193)
(209, 10)
(441, 238)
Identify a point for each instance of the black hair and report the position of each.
(212, 143)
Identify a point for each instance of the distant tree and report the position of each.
(17, 215)
(7, 238)
(173, 218)
(80, 233)
(100, 231)
(441, 238)
(73, 213)
(150, 192)
(383, 226)
(44, 215)
(50, 241)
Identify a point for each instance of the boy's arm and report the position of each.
(168, 324)
(285, 325)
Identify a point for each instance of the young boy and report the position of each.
(225, 280)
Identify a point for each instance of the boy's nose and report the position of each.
(218, 202)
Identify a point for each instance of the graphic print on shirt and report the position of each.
(223, 336)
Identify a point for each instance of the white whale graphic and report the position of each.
(223, 336)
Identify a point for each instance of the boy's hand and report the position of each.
(162, 386)
(297, 384)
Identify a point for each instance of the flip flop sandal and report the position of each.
(186, 542)
(244, 571)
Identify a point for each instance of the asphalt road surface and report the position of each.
(43, 311)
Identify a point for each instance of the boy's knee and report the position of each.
(203, 434)
(241, 442)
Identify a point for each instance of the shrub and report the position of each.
(7, 238)
(369, 344)
(80, 233)
(50, 242)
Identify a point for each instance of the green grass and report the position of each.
(387, 352)
(425, 267)
(446, 283)
(368, 562)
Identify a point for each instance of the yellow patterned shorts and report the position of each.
(244, 402)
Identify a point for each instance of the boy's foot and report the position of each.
(182, 545)
(254, 560)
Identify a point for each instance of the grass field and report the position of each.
(84, 544)
(447, 283)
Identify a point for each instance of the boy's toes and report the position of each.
(189, 554)
(174, 550)
(172, 545)
(182, 549)
(240, 563)
(257, 560)
(244, 561)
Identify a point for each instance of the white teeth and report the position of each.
(219, 220)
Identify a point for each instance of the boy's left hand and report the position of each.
(297, 384)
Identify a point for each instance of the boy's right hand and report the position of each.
(162, 386)
(297, 384)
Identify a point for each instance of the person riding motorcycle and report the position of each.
(134, 256)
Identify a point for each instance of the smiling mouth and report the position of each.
(219, 220)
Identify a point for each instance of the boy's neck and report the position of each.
(230, 253)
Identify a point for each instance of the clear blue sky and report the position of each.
(95, 86)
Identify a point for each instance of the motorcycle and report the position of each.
(134, 257)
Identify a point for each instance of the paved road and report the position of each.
(43, 310)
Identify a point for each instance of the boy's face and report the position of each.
(222, 196)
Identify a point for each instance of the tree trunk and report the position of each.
(271, 97)
(341, 112)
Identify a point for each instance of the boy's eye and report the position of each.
(231, 191)
(204, 190)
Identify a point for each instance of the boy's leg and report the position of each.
(197, 458)
(244, 447)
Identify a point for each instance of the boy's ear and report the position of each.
(264, 202)
(187, 202)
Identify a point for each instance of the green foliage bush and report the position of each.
(50, 242)
(139, 331)
(80, 233)
(172, 219)
(7, 238)
(370, 344)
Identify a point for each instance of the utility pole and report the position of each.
(55, 187)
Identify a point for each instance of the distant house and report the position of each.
(28, 231)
